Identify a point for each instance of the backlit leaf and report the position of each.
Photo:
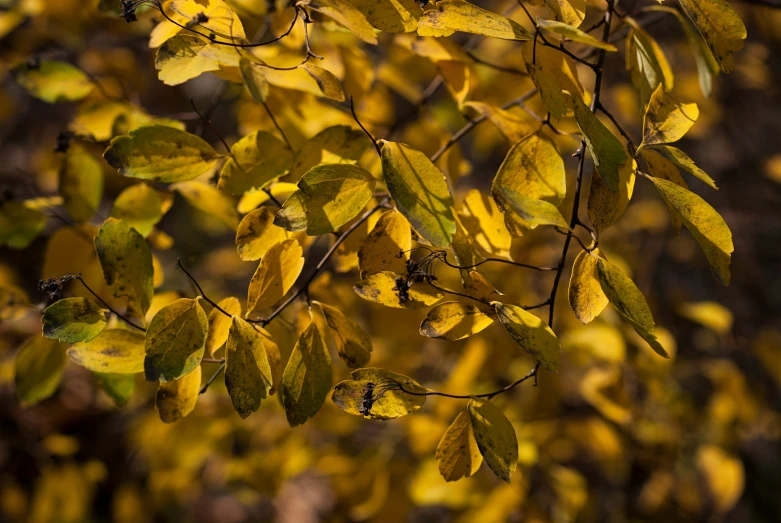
(141, 207)
(514, 126)
(307, 377)
(724, 476)
(420, 191)
(585, 293)
(19, 225)
(261, 158)
(454, 321)
(378, 394)
(605, 207)
(554, 74)
(605, 149)
(457, 453)
(328, 83)
(247, 372)
(209, 200)
(277, 272)
(337, 144)
(254, 79)
(571, 12)
(379, 288)
(721, 27)
(177, 398)
(353, 345)
(53, 81)
(393, 16)
(449, 16)
(14, 302)
(495, 437)
(73, 319)
(349, 16)
(531, 333)
(382, 248)
(684, 163)
(185, 57)
(81, 183)
(574, 34)
(175, 340)
(115, 351)
(647, 65)
(533, 212)
(667, 120)
(38, 369)
(257, 233)
(219, 323)
(485, 224)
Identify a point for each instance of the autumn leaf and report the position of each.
(381, 288)
(450, 16)
(585, 292)
(177, 398)
(114, 351)
(605, 149)
(219, 323)
(572, 33)
(175, 340)
(454, 321)
(81, 183)
(495, 437)
(73, 319)
(666, 120)
(54, 81)
(275, 275)
(38, 367)
(378, 394)
(256, 160)
(307, 377)
(457, 453)
(353, 344)
(247, 372)
(720, 26)
(531, 333)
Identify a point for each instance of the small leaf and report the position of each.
(721, 27)
(571, 12)
(420, 192)
(605, 149)
(161, 153)
(381, 249)
(275, 275)
(141, 207)
(72, 320)
(19, 225)
(254, 79)
(307, 377)
(353, 345)
(629, 302)
(53, 81)
(454, 321)
(127, 264)
(219, 323)
(585, 293)
(81, 183)
(247, 371)
(531, 333)
(38, 369)
(706, 225)
(574, 34)
(667, 120)
(495, 437)
(535, 168)
(175, 340)
(377, 394)
(210, 201)
(261, 159)
(257, 233)
(379, 288)
(606, 207)
(177, 398)
(450, 16)
(328, 83)
(533, 212)
(328, 197)
(115, 351)
(457, 453)
(118, 387)
(685, 163)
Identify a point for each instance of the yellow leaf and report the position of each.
(53, 81)
(275, 275)
(585, 293)
(606, 151)
(261, 158)
(533, 212)
(209, 200)
(71, 320)
(175, 340)
(457, 452)
(514, 126)
(176, 399)
(710, 314)
(647, 65)
(495, 437)
(252, 199)
(393, 16)
(531, 333)
(220, 19)
(485, 224)
(220, 324)
(353, 345)
(382, 248)
(378, 394)
(19, 224)
(257, 233)
(81, 183)
(449, 16)
(327, 82)
(660, 167)
(595, 388)
(574, 34)
(185, 57)
(349, 16)
(533, 167)
(337, 144)
(254, 79)
(328, 197)
(721, 27)
(160, 153)
(127, 264)
(381, 288)
(606, 207)
(454, 321)
(629, 302)
(724, 476)
(420, 191)
(706, 225)
(684, 163)
(554, 74)
(307, 377)
(38, 369)
(667, 120)
(570, 12)
(247, 372)
(141, 207)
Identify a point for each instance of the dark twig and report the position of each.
(355, 116)
(109, 307)
(276, 124)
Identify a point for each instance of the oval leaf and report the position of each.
(176, 399)
(457, 453)
(38, 369)
(378, 394)
(353, 345)
(454, 321)
(450, 16)
(256, 160)
(307, 377)
(219, 323)
(495, 437)
(531, 333)
(585, 293)
(382, 288)
(114, 351)
(73, 319)
(175, 340)
(275, 275)
(247, 372)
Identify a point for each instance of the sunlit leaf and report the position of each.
(53, 81)
(606, 207)
(177, 398)
(647, 65)
(307, 377)
(386, 247)
(605, 149)
(185, 57)
(81, 183)
(585, 293)
(485, 223)
(378, 394)
(353, 345)
(116, 351)
(393, 16)
(254, 79)
(532, 211)
(73, 319)
(382, 288)
(571, 12)
(684, 163)
(457, 452)
(667, 120)
(721, 27)
(531, 333)
(454, 321)
(337, 144)
(724, 474)
(449, 16)
(256, 160)
(328, 83)
(38, 369)
(574, 34)
(209, 200)
(277, 272)
(141, 207)
(175, 340)
(710, 314)
(247, 372)
(495, 437)
(349, 16)
(219, 323)
(257, 233)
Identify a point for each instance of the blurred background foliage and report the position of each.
(617, 435)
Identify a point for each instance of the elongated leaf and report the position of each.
(585, 293)
(307, 377)
(38, 369)
(647, 65)
(574, 34)
(114, 351)
(53, 81)
(160, 153)
(378, 394)
(667, 120)
(685, 163)
(420, 192)
(275, 275)
(606, 207)
(554, 74)
(175, 340)
(721, 27)
(81, 183)
(353, 345)
(660, 167)
(393, 16)
(185, 57)
(457, 453)
(219, 323)
(450, 16)
(127, 264)
(454, 321)
(254, 79)
(533, 212)
(257, 159)
(328, 83)
(495, 437)
(531, 333)
(177, 398)
(247, 372)
(606, 151)
(706, 225)
(73, 319)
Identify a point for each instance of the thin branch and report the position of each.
(109, 307)
(208, 122)
(200, 290)
(455, 293)
(276, 124)
(618, 126)
(501, 68)
(213, 377)
(355, 116)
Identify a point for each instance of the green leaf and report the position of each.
(257, 233)
(495, 437)
(328, 197)
(629, 302)
(247, 371)
(574, 34)
(533, 212)
(706, 225)
(450, 16)
(420, 191)
(115, 351)
(81, 183)
(454, 321)
(531, 333)
(457, 453)
(118, 387)
(175, 340)
(141, 207)
(666, 120)
(177, 398)
(585, 292)
(720, 26)
(219, 323)
(209, 200)
(261, 159)
(647, 65)
(377, 394)
(685, 163)
(73, 319)
(307, 377)
(38, 369)
(19, 225)
(605, 149)
(127, 264)
(353, 345)
(254, 79)
(161, 153)
(380, 288)
(337, 144)
(53, 81)
(276, 273)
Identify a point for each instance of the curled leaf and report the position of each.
(457, 453)
(454, 321)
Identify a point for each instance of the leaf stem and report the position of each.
(355, 116)
(109, 307)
